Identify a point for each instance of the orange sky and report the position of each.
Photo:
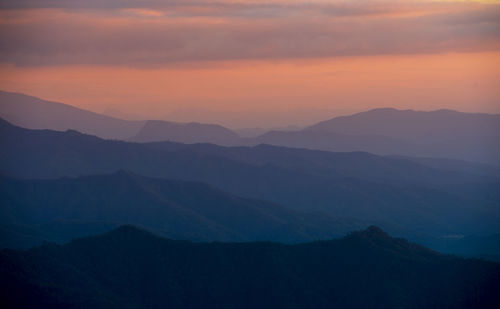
(253, 63)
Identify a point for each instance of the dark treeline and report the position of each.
(131, 268)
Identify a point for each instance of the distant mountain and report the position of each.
(414, 125)
(332, 141)
(387, 131)
(484, 246)
(403, 196)
(157, 130)
(455, 165)
(254, 132)
(34, 113)
(57, 210)
(131, 268)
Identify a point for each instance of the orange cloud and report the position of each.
(154, 57)
(90, 37)
(464, 82)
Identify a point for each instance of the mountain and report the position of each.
(157, 130)
(60, 209)
(400, 195)
(483, 246)
(414, 125)
(34, 113)
(254, 132)
(332, 141)
(387, 131)
(456, 165)
(131, 268)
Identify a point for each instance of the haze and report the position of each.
(253, 63)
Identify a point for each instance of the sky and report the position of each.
(265, 63)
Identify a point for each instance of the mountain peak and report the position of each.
(192, 132)
(129, 229)
(375, 231)
(383, 109)
(127, 233)
(371, 232)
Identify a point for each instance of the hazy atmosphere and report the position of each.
(236, 154)
(252, 63)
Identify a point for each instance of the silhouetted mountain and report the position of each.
(456, 165)
(131, 268)
(385, 131)
(442, 133)
(331, 141)
(401, 195)
(178, 209)
(414, 125)
(157, 130)
(254, 132)
(484, 246)
(341, 165)
(34, 113)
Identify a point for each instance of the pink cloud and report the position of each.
(165, 33)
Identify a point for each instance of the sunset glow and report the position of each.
(253, 57)
(250, 154)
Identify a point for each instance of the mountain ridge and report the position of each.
(35, 113)
(388, 131)
(174, 208)
(190, 132)
(441, 133)
(132, 268)
(341, 184)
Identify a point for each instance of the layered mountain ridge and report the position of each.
(383, 131)
(401, 195)
(131, 268)
(61, 209)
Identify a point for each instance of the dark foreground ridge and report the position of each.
(132, 268)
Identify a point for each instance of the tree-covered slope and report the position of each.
(130, 268)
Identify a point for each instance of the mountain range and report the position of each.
(298, 194)
(34, 113)
(441, 133)
(157, 131)
(385, 131)
(61, 209)
(403, 196)
(131, 268)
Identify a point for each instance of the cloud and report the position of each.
(245, 8)
(159, 33)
